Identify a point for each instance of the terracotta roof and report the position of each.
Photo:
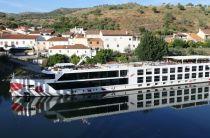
(48, 31)
(18, 36)
(94, 39)
(115, 33)
(206, 31)
(92, 32)
(195, 37)
(76, 46)
(58, 39)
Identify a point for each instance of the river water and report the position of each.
(169, 112)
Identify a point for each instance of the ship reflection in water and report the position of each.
(66, 109)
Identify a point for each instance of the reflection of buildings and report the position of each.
(90, 106)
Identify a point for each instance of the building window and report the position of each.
(140, 72)
(97, 42)
(140, 79)
(187, 76)
(129, 39)
(117, 45)
(23, 42)
(134, 46)
(31, 42)
(172, 70)
(50, 51)
(90, 42)
(149, 71)
(107, 45)
(164, 78)
(59, 51)
(149, 79)
(193, 75)
(194, 68)
(16, 43)
(1, 43)
(165, 70)
(172, 77)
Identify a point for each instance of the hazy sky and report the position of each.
(16, 6)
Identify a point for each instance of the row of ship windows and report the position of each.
(173, 70)
(173, 93)
(172, 77)
(172, 100)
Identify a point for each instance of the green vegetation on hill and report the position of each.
(163, 19)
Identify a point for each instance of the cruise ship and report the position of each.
(70, 79)
(84, 107)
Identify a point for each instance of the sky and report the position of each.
(18, 6)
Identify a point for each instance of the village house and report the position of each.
(119, 40)
(56, 41)
(19, 40)
(204, 33)
(69, 50)
(185, 37)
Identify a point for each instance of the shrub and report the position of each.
(181, 7)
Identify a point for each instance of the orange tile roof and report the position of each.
(18, 36)
(76, 46)
(58, 39)
(92, 32)
(195, 37)
(206, 31)
(115, 33)
(48, 31)
(94, 39)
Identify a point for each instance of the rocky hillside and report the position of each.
(130, 16)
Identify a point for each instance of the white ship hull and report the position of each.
(132, 80)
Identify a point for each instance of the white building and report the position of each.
(204, 33)
(54, 41)
(69, 50)
(119, 40)
(18, 40)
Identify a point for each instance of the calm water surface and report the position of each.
(171, 112)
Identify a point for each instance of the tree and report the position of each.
(179, 43)
(103, 56)
(154, 9)
(151, 48)
(74, 59)
(57, 58)
(121, 58)
(168, 19)
(181, 7)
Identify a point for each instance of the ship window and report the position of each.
(140, 79)
(157, 78)
(148, 96)
(164, 94)
(172, 70)
(206, 89)
(165, 70)
(85, 84)
(164, 78)
(179, 77)
(172, 93)
(200, 90)
(186, 98)
(123, 73)
(88, 75)
(156, 102)
(164, 101)
(179, 99)
(148, 72)
(200, 75)
(187, 76)
(140, 97)
(171, 100)
(186, 91)
(179, 92)
(187, 69)
(172, 77)
(207, 67)
(149, 79)
(179, 69)
(193, 75)
(193, 97)
(156, 95)
(206, 74)
(193, 91)
(194, 68)
(140, 72)
(200, 68)
(157, 71)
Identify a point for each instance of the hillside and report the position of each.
(129, 16)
